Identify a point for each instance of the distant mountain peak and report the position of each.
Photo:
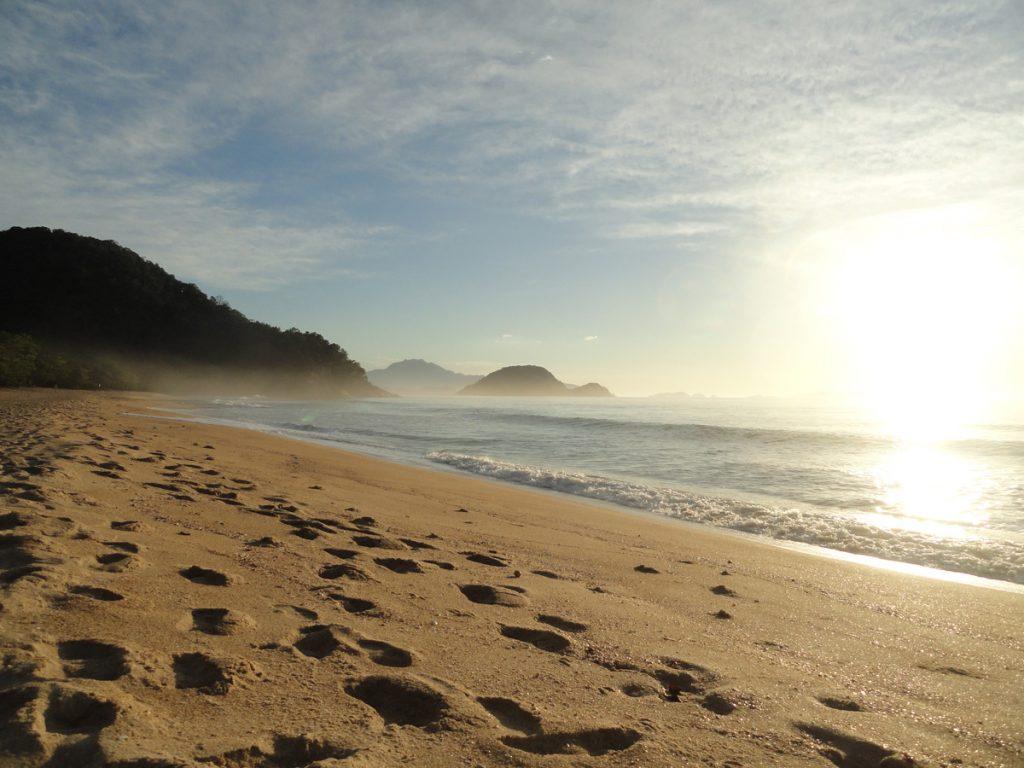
(415, 376)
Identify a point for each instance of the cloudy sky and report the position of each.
(656, 196)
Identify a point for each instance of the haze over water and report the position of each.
(814, 474)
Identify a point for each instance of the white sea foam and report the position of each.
(978, 556)
(252, 401)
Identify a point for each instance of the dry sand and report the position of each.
(178, 594)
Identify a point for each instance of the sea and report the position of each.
(819, 476)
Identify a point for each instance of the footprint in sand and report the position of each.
(718, 703)
(398, 564)
(341, 554)
(19, 557)
(343, 571)
(209, 675)
(378, 542)
(547, 574)
(169, 487)
(385, 654)
(218, 621)
(287, 752)
(443, 565)
(206, 576)
(116, 562)
(842, 704)
(310, 529)
(636, 689)
(353, 604)
(69, 711)
(484, 559)
(684, 677)
(566, 625)
(400, 700)
(414, 544)
(123, 546)
(93, 659)
(321, 640)
(263, 541)
(950, 670)
(12, 520)
(511, 714)
(332, 525)
(306, 613)
(488, 595)
(551, 642)
(30, 572)
(31, 714)
(595, 742)
(95, 593)
(847, 751)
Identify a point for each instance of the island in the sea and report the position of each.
(530, 381)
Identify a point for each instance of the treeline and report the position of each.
(24, 362)
(94, 300)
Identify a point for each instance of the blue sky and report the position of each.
(655, 196)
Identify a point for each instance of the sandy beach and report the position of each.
(179, 594)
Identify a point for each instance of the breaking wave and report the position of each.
(978, 556)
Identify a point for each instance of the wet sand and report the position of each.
(178, 594)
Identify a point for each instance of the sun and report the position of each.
(922, 305)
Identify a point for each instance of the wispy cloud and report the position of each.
(654, 229)
(590, 338)
(672, 121)
(514, 339)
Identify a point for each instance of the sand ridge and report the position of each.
(176, 594)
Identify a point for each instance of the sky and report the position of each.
(729, 197)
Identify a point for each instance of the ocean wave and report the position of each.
(769, 437)
(979, 556)
(349, 433)
(700, 431)
(254, 401)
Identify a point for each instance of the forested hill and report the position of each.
(94, 304)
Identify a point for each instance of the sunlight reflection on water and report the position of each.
(925, 488)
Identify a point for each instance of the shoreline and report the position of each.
(209, 595)
(872, 561)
